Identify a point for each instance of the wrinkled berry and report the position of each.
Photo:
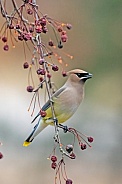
(53, 165)
(41, 71)
(60, 46)
(43, 21)
(41, 79)
(60, 29)
(1, 155)
(41, 61)
(25, 65)
(53, 158)
(20, 37)
(49, 75)
(64, 38)
(90, 139)
(29, 11)
(38, 29)
(30, 88)
(17, 26)
(73, 156)
(68, 181)
(50, 43)
(83, 146)
(55, 68)
(11, 26)
(64, 74)
(4, 39)
(44, 29)
(6, 47)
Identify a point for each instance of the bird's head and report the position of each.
(77, 75)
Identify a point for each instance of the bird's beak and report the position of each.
(89, 75)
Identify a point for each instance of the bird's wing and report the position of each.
(47, 104)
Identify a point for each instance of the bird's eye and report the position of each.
(81, 74)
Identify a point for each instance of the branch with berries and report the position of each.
(27, 24)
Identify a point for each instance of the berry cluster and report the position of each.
(1, 155)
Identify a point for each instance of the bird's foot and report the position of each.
(65, 128)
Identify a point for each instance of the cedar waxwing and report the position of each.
(65, 100)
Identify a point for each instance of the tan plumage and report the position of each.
(66, 100)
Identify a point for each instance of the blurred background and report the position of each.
(95, 41)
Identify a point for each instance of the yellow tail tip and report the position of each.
(26, 143)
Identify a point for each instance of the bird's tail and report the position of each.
(37, 129)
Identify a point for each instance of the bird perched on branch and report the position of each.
(65, 102)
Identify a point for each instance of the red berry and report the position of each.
(38, 29)
(31, 29)
(55, 68)
(68, 181)
(41, 61)
(41, 71)
(11, 26)
(90, 139)
(17, 26)
(29, 11)
(1, 155)
(4, 39)
(25, 65)
(69, 26)
(43, 113)
(64, 38)
(6, 47)
(49, 75)
(44, 29)
(72, 155)
(60, 29)
(41, 79)
(63, 33)
(50, 43)
(64, 74)
(53, 165)
(69, 148)
(43, 21)
(53, 158)
(83, 146)
(20, 37)
(30, 88)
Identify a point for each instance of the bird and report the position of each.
(65, 100)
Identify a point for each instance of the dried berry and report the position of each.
(11, 26)
(53, 165)
(60, 29)
(53, 158)
(6, 47)
(29, 11)
(43, 21)
(38, 29)
(72, 155)
(64, 38)
(44, 29)
(90, 139)
(1, 155)
(64, 74)
(30, 88)
(4, 39)
(20, 37)
(25, 65)
(83, 146)
(49, 75)
(41, 61)
(50, 43)
(55, 68)
(68, 181)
